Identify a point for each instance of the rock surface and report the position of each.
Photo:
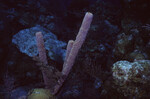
(26, 42)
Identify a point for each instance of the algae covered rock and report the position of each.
(124, 45)
(132, 78)
(137, 55)
(40, 94)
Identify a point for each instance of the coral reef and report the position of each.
(120, 32)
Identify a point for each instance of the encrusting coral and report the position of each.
(131, 77)
(40, 94)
